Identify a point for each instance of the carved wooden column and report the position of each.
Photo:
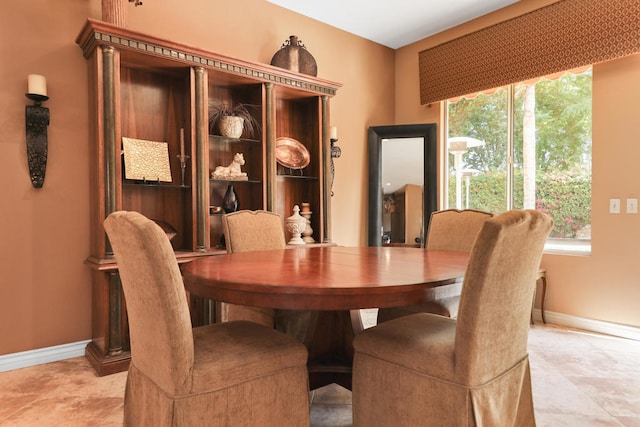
(109, 132)
(326, 171)
(269, 127)
(115, 12)
(115, 315)
(199, 77)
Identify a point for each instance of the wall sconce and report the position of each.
(37, 120)
(336, 152)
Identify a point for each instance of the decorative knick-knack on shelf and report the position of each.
(233, 172)
(307, 234)
(233, 122)
(294, 56)
(230, 202)
(296, 225)
(231, 126)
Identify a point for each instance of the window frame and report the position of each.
(552, 245)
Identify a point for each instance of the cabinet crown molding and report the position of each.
(96, 33)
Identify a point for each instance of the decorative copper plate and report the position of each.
(291, 153)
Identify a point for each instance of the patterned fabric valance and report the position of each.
(561, 36)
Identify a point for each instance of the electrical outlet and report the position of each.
(614, 206)
(632, 206)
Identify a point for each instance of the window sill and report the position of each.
(568, 247)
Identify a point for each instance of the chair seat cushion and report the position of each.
(421, 342)
(242, 351)
(443, 300)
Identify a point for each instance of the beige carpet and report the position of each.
(579, 379)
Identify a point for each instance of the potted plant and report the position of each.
(233, 121)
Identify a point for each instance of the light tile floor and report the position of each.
(579, 379)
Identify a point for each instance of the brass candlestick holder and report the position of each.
(182, 157)
(183, 166)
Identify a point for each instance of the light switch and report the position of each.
(632, 206)
(614, 206)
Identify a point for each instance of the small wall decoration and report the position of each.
(146, 160)
(37, 120)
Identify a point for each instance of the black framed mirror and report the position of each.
(379, 135)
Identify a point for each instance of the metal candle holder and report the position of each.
(182, 157)
(37, 120)
(183, 166)
(336, 152)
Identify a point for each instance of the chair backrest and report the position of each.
(253, 231)
(495, 304)
(455, 230)
(159, 322)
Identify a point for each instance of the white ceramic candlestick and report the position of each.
(307, 234)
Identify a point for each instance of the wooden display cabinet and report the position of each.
(150, 88)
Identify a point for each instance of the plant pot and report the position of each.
(231, 126)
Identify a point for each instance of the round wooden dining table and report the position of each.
(332, 281)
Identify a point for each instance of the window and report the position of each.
(526, 146)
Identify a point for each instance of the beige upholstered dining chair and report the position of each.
(260, 230)
(245, 231)
(431, 370)
(449, 230)
(235, 373)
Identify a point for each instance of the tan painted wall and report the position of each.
(45, 294)
(44, 287)
(606, 285)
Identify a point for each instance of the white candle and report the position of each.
(333, 132)
(182, 159)
(37, 84)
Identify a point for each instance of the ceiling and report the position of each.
(393, 23)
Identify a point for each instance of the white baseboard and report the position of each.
(39, 356)
(591, 325)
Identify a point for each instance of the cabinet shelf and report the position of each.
(302, 177)
(234, 182)
(155, 185)
(227, 140)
